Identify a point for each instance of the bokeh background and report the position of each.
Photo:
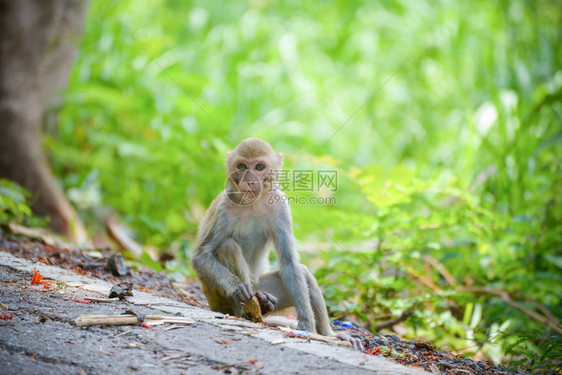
(441, 118)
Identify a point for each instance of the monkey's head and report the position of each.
(251, 167)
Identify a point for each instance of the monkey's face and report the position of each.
(251, 168)
(249, 176)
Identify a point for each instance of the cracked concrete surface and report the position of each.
(42, 337)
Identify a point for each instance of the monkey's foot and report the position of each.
(267, 301)
(347, 337)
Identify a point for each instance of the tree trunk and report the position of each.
(38, 41)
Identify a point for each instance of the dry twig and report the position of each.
(316, 336)
(504, 295)
(441, 268)
(127, 319)
(392, 322)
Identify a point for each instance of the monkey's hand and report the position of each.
(267, 301)
(243, 293)
(357, 344)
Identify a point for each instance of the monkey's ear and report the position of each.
(280, 159)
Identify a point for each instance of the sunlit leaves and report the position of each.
(456, 159)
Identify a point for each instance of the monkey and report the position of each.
(234, 239)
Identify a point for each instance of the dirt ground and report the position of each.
(38, 331)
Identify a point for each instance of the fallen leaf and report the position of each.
(45, 261)
(37, 277)
(303, 335)
(49, 285)
(143, 288)
(6, 316)
(147, 326)
(374, 351)
(424, 345)
(253, 360)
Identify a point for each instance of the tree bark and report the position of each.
(38, 44)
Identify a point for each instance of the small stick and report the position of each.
(102, 299)
(392, 322)
(173, 327)
(127, 319)
(124, 333)
(316, 336)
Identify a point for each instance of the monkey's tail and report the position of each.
(280, 321)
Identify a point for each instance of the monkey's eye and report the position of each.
(260, 167)
(242, 166)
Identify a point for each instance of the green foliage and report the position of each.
(14, 205)
(442, 120)
(13, 202)
(147, 260)
(539, 353)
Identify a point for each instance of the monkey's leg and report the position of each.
(318, 305)
(272, 283)
(321, 313)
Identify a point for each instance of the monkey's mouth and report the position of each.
(249, 188)
(255, 191)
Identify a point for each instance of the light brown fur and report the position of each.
(231, 253)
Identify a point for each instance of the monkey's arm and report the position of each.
(291, 271)
(218, 260)
(214, 275)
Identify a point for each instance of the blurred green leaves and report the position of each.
(15, 202)
(450, 176)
